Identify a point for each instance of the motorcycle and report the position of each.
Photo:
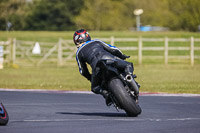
(3, 115)
(122, 88)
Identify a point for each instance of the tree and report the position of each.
(54, 15)
(98, 14)
(105, 15)
(186, 14)
(13, 11)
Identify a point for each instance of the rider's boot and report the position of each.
(104, 93)
(97, 89)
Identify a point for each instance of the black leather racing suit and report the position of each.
(93, 51)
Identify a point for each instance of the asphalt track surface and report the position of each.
(62, 112)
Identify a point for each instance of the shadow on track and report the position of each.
(95, 114)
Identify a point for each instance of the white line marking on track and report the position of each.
(46, 104)
(128, 120)
(181, 103)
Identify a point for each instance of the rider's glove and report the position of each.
(125, 56)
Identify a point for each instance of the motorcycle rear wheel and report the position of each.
(123, 98)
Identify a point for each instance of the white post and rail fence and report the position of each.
(13, 50)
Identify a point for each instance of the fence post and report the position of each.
(1, 57)
(166, 50)
(60, 63)
(192, 51)
(10, 47)
(140, 50)
(13, 50)
(112, 40)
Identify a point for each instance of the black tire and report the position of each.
(3, 115)
(124, 100)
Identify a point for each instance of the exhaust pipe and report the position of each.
(131, 82)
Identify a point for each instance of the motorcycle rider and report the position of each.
(90, 52)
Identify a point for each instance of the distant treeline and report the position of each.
(98, 14)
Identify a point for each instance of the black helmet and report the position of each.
(81, 36)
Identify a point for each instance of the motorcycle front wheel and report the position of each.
(3, 115)
(123, 98)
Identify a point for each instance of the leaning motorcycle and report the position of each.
(122, 88)
(3, 115)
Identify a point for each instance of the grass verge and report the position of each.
(153, 78)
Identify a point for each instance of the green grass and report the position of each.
(53, 36)
(171, 78)
(153, 78)
(66, 78)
